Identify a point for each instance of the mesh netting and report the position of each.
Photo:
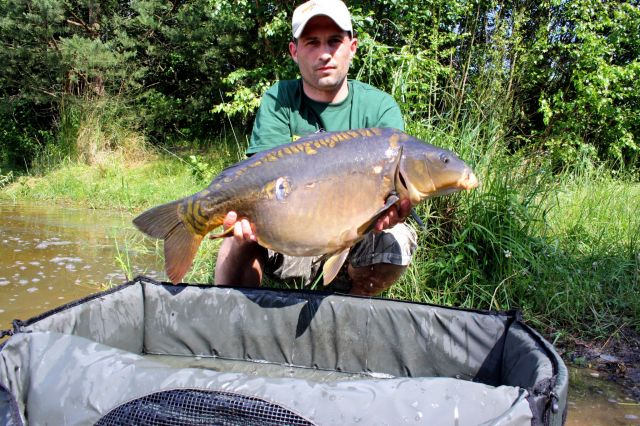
(198, 407)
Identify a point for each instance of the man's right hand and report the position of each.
(242, 229)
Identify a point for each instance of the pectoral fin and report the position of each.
(368, 226)
(227, 233)
(332, 266)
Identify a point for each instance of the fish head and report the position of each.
(429, 171)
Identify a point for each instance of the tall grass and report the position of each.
(560, 246)
(95, 131)
(594, 252)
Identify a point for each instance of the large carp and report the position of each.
(316, 196)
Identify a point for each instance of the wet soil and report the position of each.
(616, 359)
(604, 380)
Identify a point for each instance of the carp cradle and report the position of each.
(153, 353)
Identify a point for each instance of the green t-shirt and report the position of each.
(286, 113)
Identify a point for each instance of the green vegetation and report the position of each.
(130, 104)
(565, 73)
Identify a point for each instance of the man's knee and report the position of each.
(374, 279)
(239, 263)
(381, 259)
(395, 246)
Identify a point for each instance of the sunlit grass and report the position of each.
(108, 186)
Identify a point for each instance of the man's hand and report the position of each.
(242, 230)
(395, 214)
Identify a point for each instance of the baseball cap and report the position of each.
(334, 9)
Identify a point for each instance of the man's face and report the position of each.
(323, 53)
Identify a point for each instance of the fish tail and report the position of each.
(180, 248)
(158, 221)
(180, 241)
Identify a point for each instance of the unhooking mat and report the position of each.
(157, 354)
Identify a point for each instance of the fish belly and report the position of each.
(320, 216)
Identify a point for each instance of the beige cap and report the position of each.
(334, 9)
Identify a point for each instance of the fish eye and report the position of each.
(282, 188)
(444, 158)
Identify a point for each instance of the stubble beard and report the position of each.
(328, 84)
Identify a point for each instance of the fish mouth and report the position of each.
(468, 181)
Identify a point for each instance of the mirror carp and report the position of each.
(316, 196)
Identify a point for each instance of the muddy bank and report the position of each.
(617, 359)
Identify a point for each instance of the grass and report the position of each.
(561, 246)
(112, 185)
(594, 257)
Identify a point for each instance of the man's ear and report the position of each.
(353, 47)
(293, 51)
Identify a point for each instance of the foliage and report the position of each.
(165, 61)
(583, 67)
(564, 73)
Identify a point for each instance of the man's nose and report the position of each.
(325, 55)
(327, 51)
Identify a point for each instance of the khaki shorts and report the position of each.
(395, 245)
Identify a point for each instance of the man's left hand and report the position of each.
(394, 215)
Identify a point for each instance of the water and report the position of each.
(51, 255)
(596, 401)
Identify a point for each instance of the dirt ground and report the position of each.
(617, 358)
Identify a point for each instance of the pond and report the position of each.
(596, 401)
(51, 255)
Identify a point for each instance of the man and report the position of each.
(322, 100)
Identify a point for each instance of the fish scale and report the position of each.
(316, 196)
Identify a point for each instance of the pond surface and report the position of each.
(596, 401)
(52, 255)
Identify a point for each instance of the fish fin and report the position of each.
(227, 233)
(180, 243)
(332, 266)
(180, 248)
(368, 225)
